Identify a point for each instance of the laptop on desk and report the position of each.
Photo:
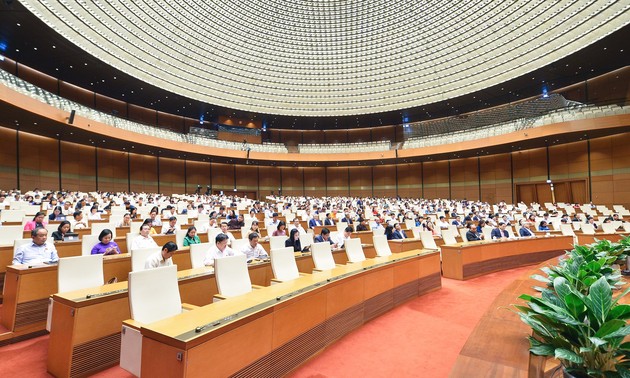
(71, 236)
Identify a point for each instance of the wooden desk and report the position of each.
(287, 322)
(367, 237)
(584, 239)
(73, 334)
(462, 261)
(27, 289)
(318, 229)
(403, 245)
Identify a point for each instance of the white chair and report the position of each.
(426, 237)
(462, 233)
(198, 254)
(277, 242)
(139, 257)
(322, 256)
(17, 243)
(130, 236)
(342, 226)
(608, 228)
(147, 307)
(80, 272)
(87, 243)
(378, 231)
(179, 238)
(448, 237)
(232, 276)
(381, 246)
(12, 215)
(588, 229)
(283, 265)
(306, 240)
(212, 234)
(410, 223)
(487, 233)
(8, 234)
(416, 232)
(626, 227)
(98, 227)
(354, 250)
(238, 244)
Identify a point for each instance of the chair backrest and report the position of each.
(487, 233)
(577, 225)
(416, 230)
(144, 304)
(8, 234)
(381, 246)
(198, 254)
(448, 236)
(354, 250)
(462, 233)
(410, 223)
(322, 256)
(17, 243)
(79, 272)
(588, 229)
(232, 276)
(567, 229)
(454, 231)
(608, 228)
(212, 234)
(87, 243)
(306, 240)
(51, 228)
(201, 225)
(378, 231)
(130, 236)
(510, 231)
(427, 240)
(139, 257)
(283, 264)
(341, 225)
(626, 227)
(12, 215)
(238, 244)
(277, 242)
(98, 227)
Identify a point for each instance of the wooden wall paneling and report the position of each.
(75, 93)
(526, 193)
(360, 180)
(142, 115)
(610, 88)
(336, 136)
(292, 181)
(621, 169)
(269, 180)
(568, 161)
(359, 135)
(435, 179)
(337, 181)
(144, 173)
(172, 180)
(35, 77)
(410, 180)
(314, 181)
(276, 136)
(313, 137)
(223, 177)
(39, 162)
(170, 121)
(8, 159)
(465, 179)
(78, 167)
(384, 177)
(247, 178)
(383, 133)
(112, 170)
(602, 170)
(496, 178)
(197, 173)
(111, 105)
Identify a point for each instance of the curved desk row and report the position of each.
(270, 331)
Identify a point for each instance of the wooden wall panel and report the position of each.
(170, 121)
(621, 170)
(197, 173)
(142, 115)
(314, 181)
(336, 136)
(171, 176)
(383, 133)
(530, 165)
(269, 180)
(35, 77)
(222, 177)
(435, 179)
(496, 178)
(78, 165)
(112, 170)
(39, 162)
(568, 161)
(384, 180)
(313, 137)
(360, 180)
(144, 176)
(337, 181)
(8, 159)
(292, 181)
(359, 135)
(247, 178)
(110, 105)
(410, 180)
(75, 93)
(465, 179)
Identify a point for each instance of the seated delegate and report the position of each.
(38, 251)
(106, 245)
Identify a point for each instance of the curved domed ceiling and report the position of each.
(329, 57)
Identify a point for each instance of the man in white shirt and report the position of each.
(224, 230)
(38, 251)
(219, 250)
(155, 220)
(162, 258)
(253, 250)
(342, 236)
(272, 224)
(171, 228)
(296, 224)
(442, 223)
(144, 240)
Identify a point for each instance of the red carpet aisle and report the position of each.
(421, 338)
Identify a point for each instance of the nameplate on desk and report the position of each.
(99, 295)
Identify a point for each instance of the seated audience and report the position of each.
(56, 214)
(224, 230)
(473, 234)
(62, 229)
(398, 232)
(171, 228)
(79, 223)
(325, 237)
(219, 250)
(191, 237)
(125, 222)
(543, 226)
(106, 245)
(294, 241)
(37, 252)
(253, 249)
(94, 214)
(500, 231)
(524, 231)
(280, 230)
(161, 258)
(38, 221)
(144, 240)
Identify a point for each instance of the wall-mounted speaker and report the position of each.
(71, 118)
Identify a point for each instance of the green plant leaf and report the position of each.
(619, 312)
(599, 299)
(610, 327)
(623, 372)
(540, 349)
(621, 332)
(574, 304)
(565, 354)
(597, 341)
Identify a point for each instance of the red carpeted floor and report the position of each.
(421, 338)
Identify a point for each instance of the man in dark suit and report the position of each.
(347, 218)
(324, 237)
(525, 231)
(472, 234)
(398, 232)
(500, 232)
(329, 221)
(314, 222)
